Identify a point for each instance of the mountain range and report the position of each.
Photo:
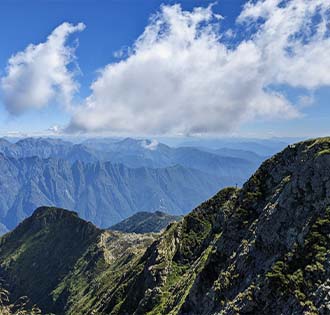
(108, 182)
(137, 153)
(260, 249)
(102, 192)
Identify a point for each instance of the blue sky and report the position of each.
(294, 107)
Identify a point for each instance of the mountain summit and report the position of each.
(262, 249)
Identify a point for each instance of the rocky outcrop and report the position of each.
(272, 257)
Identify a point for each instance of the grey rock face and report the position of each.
(280, 211)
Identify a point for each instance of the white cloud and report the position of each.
(294, 40)
(150, 144)
(40, 73)
(181, 78)
(55, 129)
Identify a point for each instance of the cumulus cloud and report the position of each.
(184, 74)
(293, 39)
(41, 73)
(150, 144)
(55, 129)
(181, 77)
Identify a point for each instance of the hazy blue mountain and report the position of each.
(118, 178)
(234, 169)
(241, 154)
(103, 193)
(158, 153)
(150, 153)
(3, 229)
(100, 144)
(46, 148)
(145, 222)
(262, 147)
(135, 153)
(6, 147)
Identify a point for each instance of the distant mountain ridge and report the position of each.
(101, 192)
(45, 148)
(109, 181)
(262, 147)
(145, 222)
(136, 153)
(3, 229)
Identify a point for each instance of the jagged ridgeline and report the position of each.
(262, 249)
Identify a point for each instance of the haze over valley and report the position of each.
(108, 180)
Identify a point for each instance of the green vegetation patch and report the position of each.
(301, 270)
(322, 152)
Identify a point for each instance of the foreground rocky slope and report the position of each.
(262, 249)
